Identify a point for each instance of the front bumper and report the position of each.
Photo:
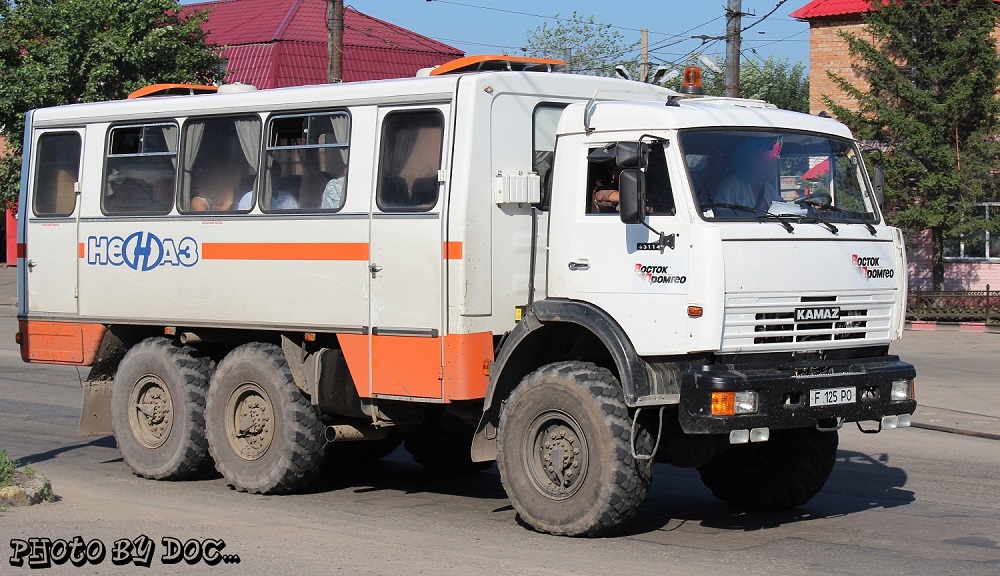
(783, 393)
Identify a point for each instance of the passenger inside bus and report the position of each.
(214, 189)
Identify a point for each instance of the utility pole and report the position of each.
(568, 57)
(335, 40)
(644, 55)
(734, 12)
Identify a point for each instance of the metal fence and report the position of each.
(954, 305)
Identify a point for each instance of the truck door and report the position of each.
(406, 252)
(52, 246)
(620, 268)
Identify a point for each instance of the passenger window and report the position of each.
(56, 174)
(411, 156)
(306, 162)
(220, 160)
(141, 169)
(602, 181)
(544, 121)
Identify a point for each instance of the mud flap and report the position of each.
(95, 419)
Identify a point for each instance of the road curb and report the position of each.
(971, 327)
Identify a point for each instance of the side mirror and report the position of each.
(878, 182)
(632, 196)
(631, 154)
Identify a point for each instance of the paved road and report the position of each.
(902, 502)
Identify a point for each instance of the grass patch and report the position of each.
(7, 467)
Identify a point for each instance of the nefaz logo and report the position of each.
(869, 267)
(658, 274)
(142, 251)
(807, 314)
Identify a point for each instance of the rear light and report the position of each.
(18, 339)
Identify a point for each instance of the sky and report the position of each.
(484, 27)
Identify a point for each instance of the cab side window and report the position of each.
(141, 169)
(409, 160)
(56, 174)
(602, 192)
(544, 120)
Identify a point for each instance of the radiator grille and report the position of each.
(767, 322)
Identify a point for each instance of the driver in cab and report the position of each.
(753, 184)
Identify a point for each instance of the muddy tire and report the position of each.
(265, 436)
(158, 409)
(782, 473)
(444, 445)
(564, 451)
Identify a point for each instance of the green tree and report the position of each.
(774, 80)
(596, 47)
(66, 51)
(930, 72)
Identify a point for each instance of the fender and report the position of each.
(505, 374)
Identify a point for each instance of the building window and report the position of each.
(981, 245)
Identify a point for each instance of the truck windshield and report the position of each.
(803, 177)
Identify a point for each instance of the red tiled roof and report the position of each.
(273, 43)
(826, 8)
(822, 8)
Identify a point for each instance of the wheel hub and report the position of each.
(250, 425)
(151, 417)
(558, 457)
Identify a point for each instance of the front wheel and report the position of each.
(264, 435)
(564, 451)
(782, 473)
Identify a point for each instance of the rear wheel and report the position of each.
(564, 451)
(158, 409)
(782, 473)
(264, 435)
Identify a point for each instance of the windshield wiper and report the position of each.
(762, 214)
(813, 220)
(832, 208)
(784, 223)
(739, 207)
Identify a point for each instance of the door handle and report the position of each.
(581, 265)
(374, 269)
(30, 264)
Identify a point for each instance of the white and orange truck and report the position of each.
(492, 262)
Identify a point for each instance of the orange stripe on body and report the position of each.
(82, 251)
(411, 366)
(452, 250)
(284, 251)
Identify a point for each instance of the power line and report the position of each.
(799, 33)
(764, 17)
(557, 18)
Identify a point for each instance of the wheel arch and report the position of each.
(556, 330)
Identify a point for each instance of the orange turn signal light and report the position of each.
(695, 311)
(723, 403)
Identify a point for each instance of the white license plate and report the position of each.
(830, 396)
